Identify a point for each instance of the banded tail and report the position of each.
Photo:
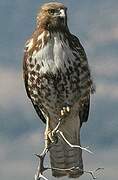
(63, 156)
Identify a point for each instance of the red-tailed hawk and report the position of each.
(57, 76)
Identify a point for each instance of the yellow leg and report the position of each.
(49, 137)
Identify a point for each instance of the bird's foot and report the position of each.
(50, 137)
(65, 111)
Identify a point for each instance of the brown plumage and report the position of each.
(57, 75)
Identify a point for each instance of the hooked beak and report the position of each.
(62, 13)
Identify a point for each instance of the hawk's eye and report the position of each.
(51, 11)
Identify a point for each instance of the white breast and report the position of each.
(54, 54)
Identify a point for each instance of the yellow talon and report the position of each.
(65, 111)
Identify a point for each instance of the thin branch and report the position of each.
(41, 168)
(40, 177)
(56, 131)
(74, 146)
(92, 173)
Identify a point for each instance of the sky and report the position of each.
(21, 131)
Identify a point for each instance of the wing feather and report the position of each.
(76, 46)
(84, 111)
(25, 76)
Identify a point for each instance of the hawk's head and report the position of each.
(52, 16)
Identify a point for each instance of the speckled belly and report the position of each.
(54, 91)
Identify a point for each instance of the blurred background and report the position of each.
(21, 132)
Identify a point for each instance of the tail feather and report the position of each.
(62, 156)
(65, 158)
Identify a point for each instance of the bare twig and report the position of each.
(56, 131)
(41, 168)
(92, 173)
(71, 145)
